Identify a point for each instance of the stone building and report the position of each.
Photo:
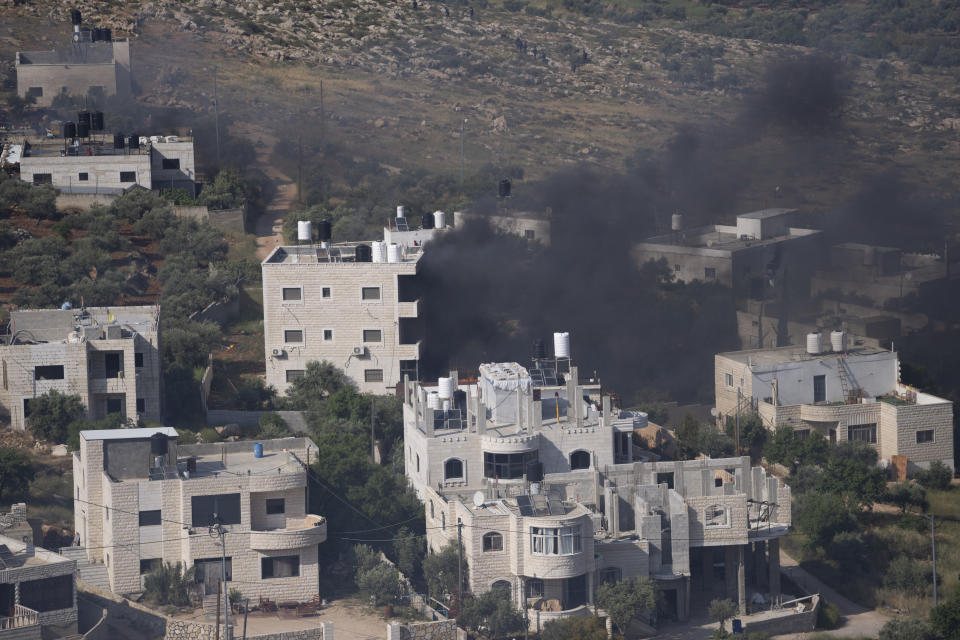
(353, 304)
(143, 500)
(109, 356)
(38, 596)
(846, 393)
(536, 471)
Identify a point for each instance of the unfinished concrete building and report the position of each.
(109, 356)
(38, 596)
(143, 500)
(538, 474)
(354, 304)
(93, 64)
(845, 392)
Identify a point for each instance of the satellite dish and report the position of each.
(714, 412)
(478, 499)
(111, 317)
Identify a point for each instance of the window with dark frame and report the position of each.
(579, 460)
(83, 176)
(141, 405)
(373, 375)
(862, 433)
(529, 234)
(171, 163)
(128, 176)
(372, 335)
(453, 469)
(492, 541)
(370, 293)
(924, 436)
(665, 477)
(819, 388)
(610, 575)
(292, 294)
(150, 518)
(43, 178)
(48, 372)
(506, 466)
(275, 506)
(325, 292)
(150, 565)
(534, 588)
(292, 336)
(295, 374)
(36, 92)
(225, 505)
(328, 334)
(138, 359)
(280, 567)
(709, 273)
(47, 594)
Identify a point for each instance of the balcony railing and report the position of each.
(22, 617)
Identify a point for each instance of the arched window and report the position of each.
(580, 460)
(610, 575)
(504, 585)
(492, 541)
(716, 515)
(453, 469)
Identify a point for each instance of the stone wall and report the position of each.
(440, 630)
(191, 630)
(324, 632)
(23, 633)
(786, 623)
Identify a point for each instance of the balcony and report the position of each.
(302, 532)
(109, 385)
(22, 618)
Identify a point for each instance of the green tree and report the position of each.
(319, 380)
(112, 421)
(945, 618)
(227, 191)
(16, 471)
(909, 576)
(365, 558)
(409, 550)
(904, 494)
(627, 599)
(574, 628)
(822, 516)
(440, 570)
(852, 473)
(937, 476)
(492, 613)
(753, 434)
(51, 414)
(273, 426)
(382, 582)
(168, 584)
(721, 611)
(908, 629)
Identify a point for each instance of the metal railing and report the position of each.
(22, 617)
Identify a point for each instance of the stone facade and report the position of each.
(68, 351)
(439, 630)
(32, 568)
(80, 70)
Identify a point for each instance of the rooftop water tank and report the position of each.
(640, 420)
(400, 211)
(814, 344)
(439, 219)
(134, 142)
(118, 141)
(378, 249)
(676, 222)
(838, 341)
(83, 130)
(83, 118)
(561, 345)
(427, 221)
(433, 400)
(158, 444)
(539, 350)
(393, 252)
(363, 253)
(304, 231)
(69, 130)
(323, 230)
(96, 121)
(257, 449)
(445, 387)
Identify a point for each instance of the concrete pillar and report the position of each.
(393, 631)
(741, 582)
(773, 552)
(428, 421)
(683, 600)
(590, 581)
(481, 418)
(730, 571)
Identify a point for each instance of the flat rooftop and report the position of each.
(720, 238)
(17, 553)
(56, 325)
(242, 463)
(127, 434)
(339, 253)
(100, 143)
(79, 53)
(796, 353)
(763, 214)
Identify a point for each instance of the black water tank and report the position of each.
(364, 253)
(539, 350)
(534, 471)
(504, 188)
(84, 118)
(323, 230)
(118, 141)
(107, 34)
(96, 121)
(158, 444)
(427, 221)
(460, 400)
(133, 142)
(75, 17)
(96, 34)
(83, 130)
(69, 130)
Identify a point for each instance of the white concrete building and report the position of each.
(352, 304)
(846, 393)
(79, 70)
(143, 500)
(38, 595)
(109, 356)
(540, 477)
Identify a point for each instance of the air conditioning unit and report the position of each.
(279, 353)
(359, 351)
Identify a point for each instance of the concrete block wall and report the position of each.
(913, 418)
(726, 396)
(102, 171)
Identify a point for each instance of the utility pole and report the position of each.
(460, 562)
(216, 113)
(526, 612)
(933, 549)
(373, 438)
(246, 609)
(217, 529)
(739, 391)
(463, 124)
(217, 628)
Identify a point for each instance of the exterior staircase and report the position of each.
(92, 573)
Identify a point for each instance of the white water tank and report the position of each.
(400, 211)
(378, 251)
(439, 220)
(433, 400)
(393, 252)
(814, 343)
(561, 345)
(304, 230)
(640, 420)
(445, 387)
(676, 222)
(838, 341)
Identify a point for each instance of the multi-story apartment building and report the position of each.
(38, 596)
(109, 356)
(537, 473)
(142, 500)
(847, 393)
(352, 304)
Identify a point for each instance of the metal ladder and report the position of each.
(845, 384)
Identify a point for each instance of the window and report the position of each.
(819, 388)
(506, 465)
(862, 433)
(294, 374)
(150, 518)
(128, 176)
(292, 336)
(83, 176)
(801, 433)
(141, 405)
(149, 565)
(432, 514)
(453, 469)
(114, 405)
(112, 365)
(710, 273)
(26, 407)
(171, 163)
(373, 375)
(676, 268)
(716, 515)
(47, 594)
(43, 178)
(529, 234)
(418, 467)
(49, 372)
(610, 575)
(924, 436)
(328, 335)
(138, 360)
(534, 588)
(275, 506)
(580, 460)
(729, 379)
(665, 478)
(503, 585)
(492, 541)
(36, 92)
(370, 293)
(718, 482)
(225, 505)
(280, 567)
(325, 292)
(292, 294)
(372, 335)
(555, 541)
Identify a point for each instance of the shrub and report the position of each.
(828, 615)
(273, 426)
(937, 476)
(210, 434)
(493, 612)
(901, 629)
(904, 494)
(574, 628)
(16, 471)
(168, 584)
(51, 415)
(908, 576)
(382, 582)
